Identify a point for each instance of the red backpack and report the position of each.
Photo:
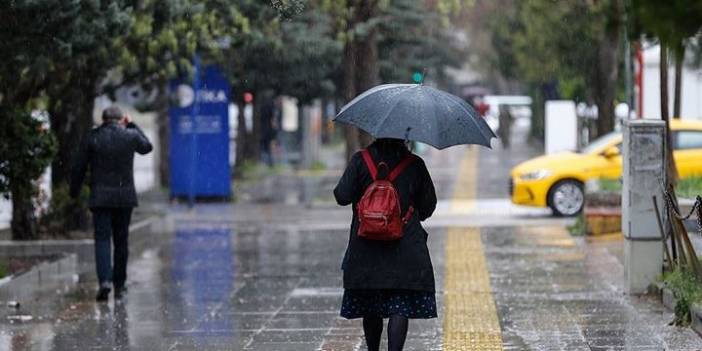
(379, 212)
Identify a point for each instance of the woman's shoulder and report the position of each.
(418, 159)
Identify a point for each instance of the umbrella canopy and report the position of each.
(416, 112)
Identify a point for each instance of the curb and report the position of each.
(82, 248)
(696, 316)
(42, 277)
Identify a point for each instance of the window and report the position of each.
(597, 144)
(688, 139)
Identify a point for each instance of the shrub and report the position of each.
(26, 149)
(687, 290)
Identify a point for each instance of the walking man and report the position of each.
(108, 152)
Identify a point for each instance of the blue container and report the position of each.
(199, 135)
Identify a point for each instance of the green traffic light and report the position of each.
(417, 77)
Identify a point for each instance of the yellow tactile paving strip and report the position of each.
(470, 316)
(464, 189)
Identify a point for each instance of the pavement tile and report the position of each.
(290, 335)
(284, 346)
(300, 321)
(312, 303)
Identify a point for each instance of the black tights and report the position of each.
(397, 332)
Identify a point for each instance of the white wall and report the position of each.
(561, 125)
(5, 213)
(691, 104)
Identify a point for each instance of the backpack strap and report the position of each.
(369, 163)
(408, 215)
(401, 166)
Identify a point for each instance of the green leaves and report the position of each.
(670, 21)
(413, 38)
(26, 149)
(167, 34)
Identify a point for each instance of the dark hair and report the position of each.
(390, 145)
(112, 113)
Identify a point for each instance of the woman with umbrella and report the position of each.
(387, 268)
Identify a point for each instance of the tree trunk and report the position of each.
(69, 125)
(367, 71)
(679, 59)
(24, 221)
(349, 92)
(256, 128)
(71, 118)
(240, 139)
(606, 73)
(671, 169)
(164, 136)
(536, 131)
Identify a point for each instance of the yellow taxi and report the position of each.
(557, 180)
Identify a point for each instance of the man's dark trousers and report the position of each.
(111, 223)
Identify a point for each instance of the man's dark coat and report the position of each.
(108, 152)
(401, 264)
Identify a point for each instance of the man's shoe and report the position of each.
(120, 292)
(103, 293)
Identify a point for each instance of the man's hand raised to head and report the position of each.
(126, 120)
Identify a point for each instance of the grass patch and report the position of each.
(578, 228)
(689, 187)
(610, 185)
(686, 290)
(253, 170)
(318, 166)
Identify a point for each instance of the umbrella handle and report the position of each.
(407, 141)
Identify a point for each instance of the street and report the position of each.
(265, 275)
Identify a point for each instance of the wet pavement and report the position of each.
(554, 292)
(264, 274)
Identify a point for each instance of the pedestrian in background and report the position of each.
(391, 279)
(270, 125)
(505, 129)
(107, 152)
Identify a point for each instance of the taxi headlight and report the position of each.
(535, 175)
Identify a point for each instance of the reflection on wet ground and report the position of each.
(209, 286)
(202, 274)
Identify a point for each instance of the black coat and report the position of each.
(108, 152)
(400, 264)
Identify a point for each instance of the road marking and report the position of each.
(470, 316)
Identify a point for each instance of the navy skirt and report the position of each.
(384, 303)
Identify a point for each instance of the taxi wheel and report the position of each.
(566, 198)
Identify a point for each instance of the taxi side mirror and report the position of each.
(611, 152)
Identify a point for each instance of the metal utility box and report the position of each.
(644, 156)
(644, 169)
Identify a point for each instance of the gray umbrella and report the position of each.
(416, 112)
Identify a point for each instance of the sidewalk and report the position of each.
(265, 275)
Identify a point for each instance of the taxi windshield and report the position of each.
(600, 142)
